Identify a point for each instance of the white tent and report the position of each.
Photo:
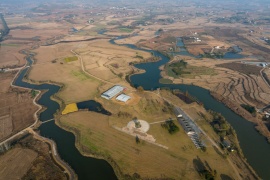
(123, 98)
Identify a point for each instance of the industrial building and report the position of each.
(123, 98)
(112, 92)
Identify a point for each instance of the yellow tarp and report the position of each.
(70, 108)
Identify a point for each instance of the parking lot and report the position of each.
(190, 128)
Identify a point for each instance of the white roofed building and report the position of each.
(112, 92)
(123, 98)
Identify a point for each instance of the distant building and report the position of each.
(74, 30)
(123, 98)
(263, 64)
(91, 21)
(112, 92)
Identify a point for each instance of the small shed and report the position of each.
(123, 97)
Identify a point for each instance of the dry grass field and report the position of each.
(108, 61)
(143, 35)
(10, 55)
(99, 59)
(77, 85)
(24, 34)
(98, 134)
(16, 162)
(16, 107)
(177, 162)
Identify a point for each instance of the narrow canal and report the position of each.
(85, 167)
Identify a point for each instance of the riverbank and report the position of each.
(97, 133)
(260, 127)
(86, 151)
(42, 108)
(230, 87)
(49, 129)
(55, 156)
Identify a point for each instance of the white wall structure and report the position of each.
(123, 98)
(112, 92)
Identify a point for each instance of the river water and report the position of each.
(254, 146)
(85, 167)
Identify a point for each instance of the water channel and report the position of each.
(254, 146)
(85, 167)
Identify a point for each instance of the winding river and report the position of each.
(254, 146)
(85, 167)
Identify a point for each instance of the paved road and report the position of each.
(161, 121)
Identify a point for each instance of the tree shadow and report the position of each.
(207, 166)
(198, 165)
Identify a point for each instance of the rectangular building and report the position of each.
(112, 92)
(123, 98)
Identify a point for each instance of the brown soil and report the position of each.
(161, 43)
(16, 107)
(242, 68)
(29, 159)
(15, 163)
(237, 36)
(43, 167)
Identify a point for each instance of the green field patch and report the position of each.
(70, 59)
(126, 30)
(184, 70)
(170, 72)
(9, 45)
(98, 27)
(86, 33)
(113, 23)
(80, 75)
(85, 141)
(165, 81)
